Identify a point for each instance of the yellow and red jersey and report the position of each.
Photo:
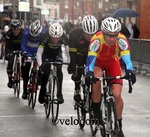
(103, 55)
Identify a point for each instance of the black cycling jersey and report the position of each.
(78, 41)
(52, 50)
(78, 48)
(13, 43)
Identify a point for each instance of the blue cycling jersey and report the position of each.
(29, 43)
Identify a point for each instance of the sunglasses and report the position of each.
(110, 35)
(15, 29)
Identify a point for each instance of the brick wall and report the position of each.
(145, 19)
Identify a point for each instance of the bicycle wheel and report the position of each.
(17, 80)
(33, 88)
(112, 127)
(55, 103)
(47, 103)
(93, 123)
(81, 113)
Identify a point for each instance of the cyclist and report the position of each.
(50, 50)
(13, 43)
(104, 50)
(2, 39)
(29, 45)
(79, 40)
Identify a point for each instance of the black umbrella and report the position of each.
(124, 12)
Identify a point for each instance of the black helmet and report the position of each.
(15, 23)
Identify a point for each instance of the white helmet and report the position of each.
(35, 28)
(55, 30)
(110, 25)
(90, 24)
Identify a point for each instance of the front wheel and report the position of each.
(32, 88)
(55, 103)
(16, 79)
(81, 113)
(112, 126)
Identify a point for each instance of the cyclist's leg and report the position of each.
(25, 76)
(10, 70)
(81, 59)
(60, 80)
(96, 93)
(44, 79)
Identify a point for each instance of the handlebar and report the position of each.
(56, 63)
(108, 78)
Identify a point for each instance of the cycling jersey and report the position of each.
(107, 57)
(78, 47)
(50, 51)
(29, 43)
(13, 43)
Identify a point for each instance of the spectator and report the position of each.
(130, 28)
(136, 31)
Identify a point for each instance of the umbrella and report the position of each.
(124, 12)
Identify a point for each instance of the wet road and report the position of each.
(17, 119)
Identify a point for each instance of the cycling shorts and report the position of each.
(111, 68)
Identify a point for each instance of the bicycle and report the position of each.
(108, 108)
(16, 72)
(51, 101)
(84, 106)
(33, 83)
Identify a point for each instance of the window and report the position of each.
(66, 4)
(100, 5)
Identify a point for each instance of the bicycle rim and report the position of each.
(93, 125)
(47, 106)
(34, 88)
(112, 127)
(18, 81)
(55, 104)
(81, 114)
(34, 94)
(29, 98)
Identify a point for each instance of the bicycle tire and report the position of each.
(81, 114)
(112, 127)
(47, 103)
(18, 79)
(55, 103)
(93, 124)
(35, 87)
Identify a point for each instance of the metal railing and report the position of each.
(140, 55)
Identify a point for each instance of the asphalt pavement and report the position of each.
(17, 119)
